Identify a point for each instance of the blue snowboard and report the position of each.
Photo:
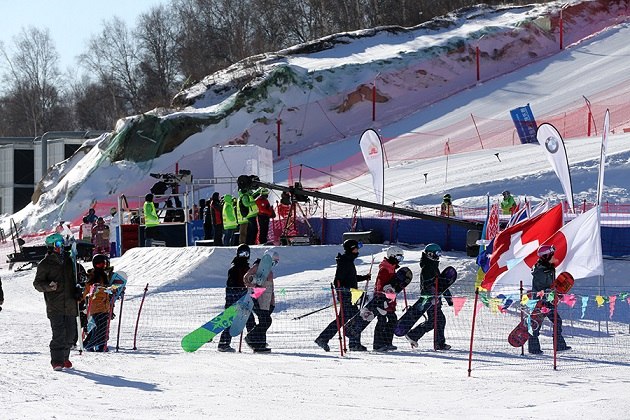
(264, 267)
(447, 277)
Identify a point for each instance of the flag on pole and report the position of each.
(556, 152)
(602, 158)
(516, 244)
(372, 149)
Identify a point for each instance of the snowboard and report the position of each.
(244, 310)
(197, 338)
(265, 265)
(355, 325)
(520, 334)
(447, 277)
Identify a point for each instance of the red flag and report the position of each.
(519, 243)
(492, 229)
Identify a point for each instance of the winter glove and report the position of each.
(78, 292)
(449, 301)
(366, 314)
(389, 289)
(52, 286)
(113, 316)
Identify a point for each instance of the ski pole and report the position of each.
(135, 333)
(122, 300)
(332, 288)
(312, 312)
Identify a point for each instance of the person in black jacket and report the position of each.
(216, 218)
(234, 290)
(1, 295)
(346, 278)
(543, 275)
(55, 278)
(429, 271)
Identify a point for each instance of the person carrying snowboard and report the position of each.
(263, 307)
(346, 278)
(55, 278)
(429, 271)
(386, 312)
(97, 297)
(234, 290)
(543, 275)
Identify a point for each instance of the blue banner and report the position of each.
(525, 124)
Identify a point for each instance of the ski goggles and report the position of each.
(399, 257)
(58, 244)
(243, 254)
(100, 264)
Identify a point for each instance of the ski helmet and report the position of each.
(433, 251)
(54, 241)
(395, 252)
(100, 261)
(242, 251)
(545, 252)
(447, 197)
(350, 244)
(505, 193)
(148, 197)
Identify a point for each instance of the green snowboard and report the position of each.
(194, 340)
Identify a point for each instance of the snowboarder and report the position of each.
(234, 290)
(508, 205)
(263, 307)
(56, 279)
(386, 316)
(99, 303)
(346, 278)
(543, 275)
(429, 271)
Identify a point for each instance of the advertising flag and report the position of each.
(372, 150)
(552, 142)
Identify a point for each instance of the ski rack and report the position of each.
(298, 193)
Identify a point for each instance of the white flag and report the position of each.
(551, 140)
(372, 149)
(602, 158)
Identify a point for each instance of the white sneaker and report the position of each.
(413, 342)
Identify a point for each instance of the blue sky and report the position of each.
(71, 22)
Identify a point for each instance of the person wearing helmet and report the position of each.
(263, 305)
(508, 205)
(234, 290)
(543, 275)
(55, 278)
(346, 278)
(383, 289)
(446, 209)
(429, 271)
(97, 300)
(265, 213)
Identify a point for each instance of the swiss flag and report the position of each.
(514, 251)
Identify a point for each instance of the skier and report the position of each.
(386, 316)
(265, 213)
(508, 205)
(429, 271)
(543, 275)
(263, 308)
(96, 290)
(56, 279)
(346, 278)
(151, 220)
(234, 290)
(446, 208)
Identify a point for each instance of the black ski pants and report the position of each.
(426, 326)
(63, 328)
(347, 311)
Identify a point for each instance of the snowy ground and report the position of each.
(298, 380)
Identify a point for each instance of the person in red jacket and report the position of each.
(386, 317)
(265, 213)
